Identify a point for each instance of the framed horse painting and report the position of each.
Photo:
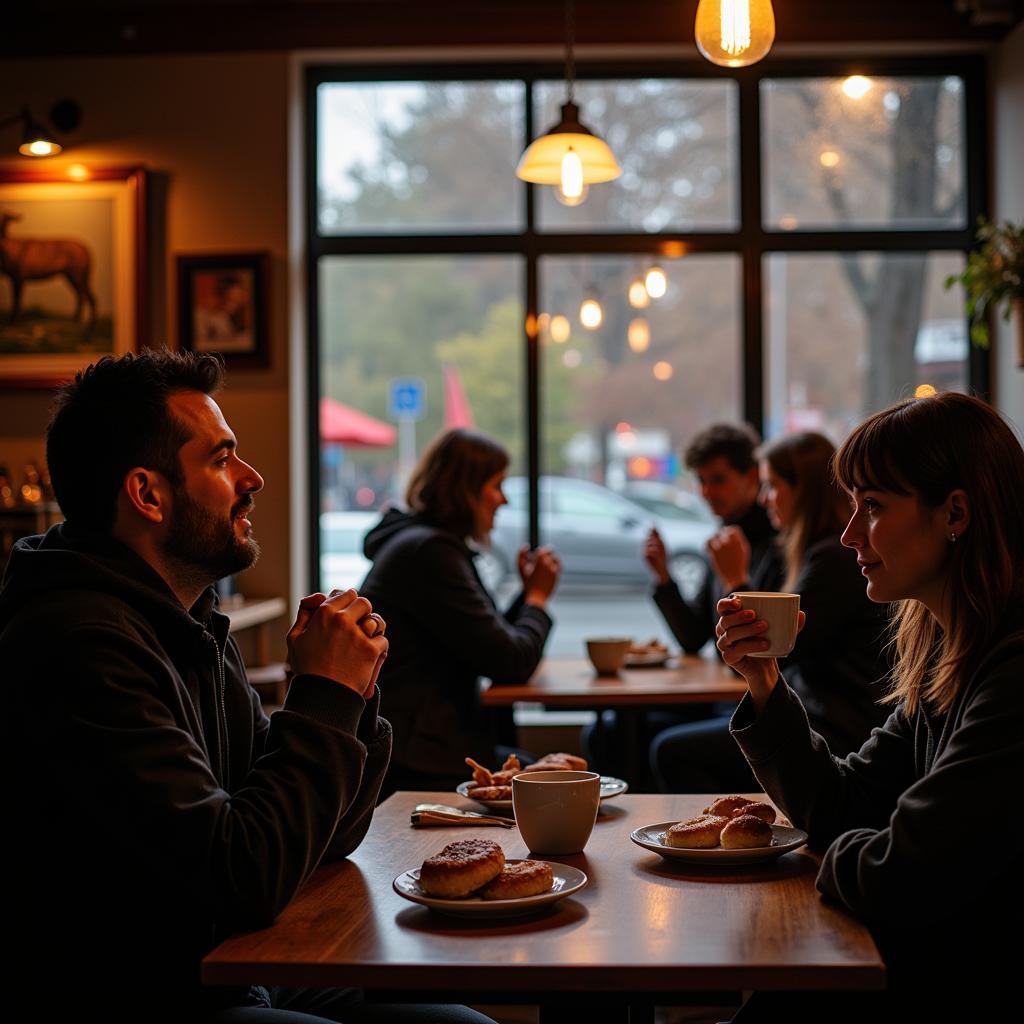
(72, 270)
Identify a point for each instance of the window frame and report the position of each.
(750, 241)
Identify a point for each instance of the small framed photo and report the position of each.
(223, 307)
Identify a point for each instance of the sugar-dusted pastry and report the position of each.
(523, 878)
(700, 833)
(746, 832)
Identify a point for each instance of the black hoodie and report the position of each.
(445, 633)
(151, 806)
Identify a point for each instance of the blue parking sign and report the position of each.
(407, 398)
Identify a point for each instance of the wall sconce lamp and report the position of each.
(36, 139)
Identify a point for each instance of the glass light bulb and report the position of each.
(856, 86)
(639, 334)
(734, 33)
(924, 391)
(638, 297)
(570, 200)
(572, 176)
(39, 147)
(663, 371)
(560, 329)
(656, 282)
(591, 314)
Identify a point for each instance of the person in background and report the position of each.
(918, 829)
(839, 662)
(743, 554)
(445, 629)
(152, 808)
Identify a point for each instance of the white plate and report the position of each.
(610, 787)
(784, 839)
(567, 881)
(653, 659)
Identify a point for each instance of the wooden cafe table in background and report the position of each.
(573, 683)
(642, 933)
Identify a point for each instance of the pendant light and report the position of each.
(568, 155)
(734, 33)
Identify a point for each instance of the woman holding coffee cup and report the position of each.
(937, 486)
(837, 663)
(444, 627)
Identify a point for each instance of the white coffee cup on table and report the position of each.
(781, 612)
(556, 811)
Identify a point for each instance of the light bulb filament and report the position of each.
(572, 174)
(735, 26)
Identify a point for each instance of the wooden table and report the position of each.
(573, 683)
(641, 932)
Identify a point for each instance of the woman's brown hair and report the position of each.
(928, 448)
(446, 483)
(820, 507)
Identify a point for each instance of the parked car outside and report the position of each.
(668, 501)
(599, 534)
(342, 563)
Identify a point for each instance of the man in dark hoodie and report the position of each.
(151, 806)
(722, 456)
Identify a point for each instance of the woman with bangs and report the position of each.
(839, 663)
(920, 829)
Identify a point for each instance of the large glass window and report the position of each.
(804, 222)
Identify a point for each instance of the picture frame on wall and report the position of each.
(223, 307)
(72, 270)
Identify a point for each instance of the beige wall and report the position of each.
(1008, 164)
(213, 133)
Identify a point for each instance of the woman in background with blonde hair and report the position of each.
(920, 829)
(839, 661)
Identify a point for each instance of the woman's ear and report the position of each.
(958, 512)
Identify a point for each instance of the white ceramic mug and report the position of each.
(556, 811)
(781, 612)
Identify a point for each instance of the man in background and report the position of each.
(723, 458)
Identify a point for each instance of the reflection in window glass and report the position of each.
(414, 157)
(848, 335)
(454, 323)
(863, 152)
(616, 419)
(676, 144)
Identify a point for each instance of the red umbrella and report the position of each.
(344, 425)
(457, 412)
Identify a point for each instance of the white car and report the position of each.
(342, 563)
(599, 535)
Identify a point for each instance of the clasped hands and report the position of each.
(339, 637)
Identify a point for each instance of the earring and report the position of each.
(952, 538)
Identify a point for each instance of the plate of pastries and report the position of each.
(731, 829)
(494, 789)
(652, 654)
(472, 878)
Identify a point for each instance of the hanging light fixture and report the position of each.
(639, 334)
(656, 282)
(36, 139)
(734, 33)
(591, 314)
(638, 297)
(568, 155)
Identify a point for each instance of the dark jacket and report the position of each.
(920, 831)
(151, 806)
(840, 663)
(693, 622)
(445, 633)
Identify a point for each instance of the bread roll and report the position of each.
(461, 868)
(700, 833)
(745, 832)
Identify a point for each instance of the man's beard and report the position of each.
(204, 547)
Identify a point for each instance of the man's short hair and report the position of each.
(114, 416)
(735, 443)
